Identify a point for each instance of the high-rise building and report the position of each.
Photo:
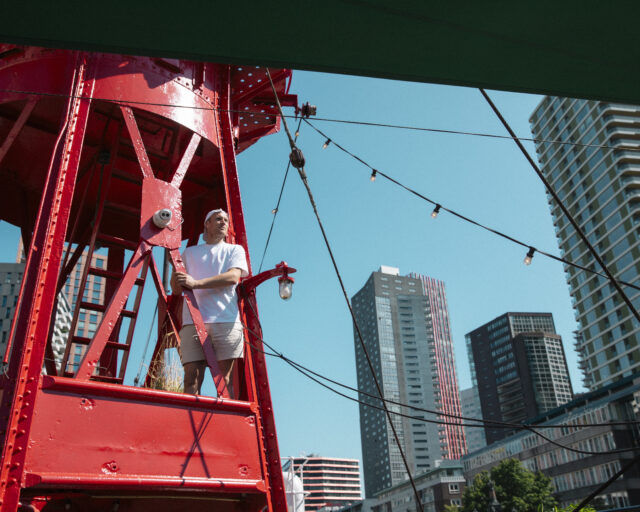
(10, 279)
(596, 173)
(519, 368)
(404, 321)
(327, 482)
(88, 319)
(470, 403)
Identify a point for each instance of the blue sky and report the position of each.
(373, 224)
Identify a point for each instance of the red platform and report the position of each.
(91, 146)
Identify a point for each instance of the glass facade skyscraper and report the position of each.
(597, 176)
(519, 368)
(405, 325)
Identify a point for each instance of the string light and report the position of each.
(529, 256)
(274, 211)
(373, 175)
(435, 211)
(297, 134)
(326, 144)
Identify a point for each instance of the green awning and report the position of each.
(586, 48)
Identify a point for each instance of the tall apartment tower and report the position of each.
(470, 403)
(88, 320)
(328, 483)
(519, 368)
(599, 185)
(404, 321)
(10, 280)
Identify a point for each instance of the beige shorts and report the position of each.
(227, 338)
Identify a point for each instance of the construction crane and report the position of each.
(124, 154)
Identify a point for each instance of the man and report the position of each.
(213, 271)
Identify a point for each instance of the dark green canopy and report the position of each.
(580, 48)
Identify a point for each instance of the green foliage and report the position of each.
(570, 508)
(517, 490)
(451, 508)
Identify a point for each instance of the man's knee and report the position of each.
(193, 376)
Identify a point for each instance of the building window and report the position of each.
(454, 489)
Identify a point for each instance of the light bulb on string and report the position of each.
(435, 211)
(297, 133)
(529, 256)
(326, 144)
(373, 175)
(274, 211)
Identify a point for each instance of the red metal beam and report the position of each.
(17, 126)
(257, 368)
(41, 274)
(178, 176)
(112, 314)
(136, 139)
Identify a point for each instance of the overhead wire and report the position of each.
(299, 164)
(440, 207)
(563, 207)
(494, 423)
(276, 210)
(327, 120)
(480, 423)
(593, 252)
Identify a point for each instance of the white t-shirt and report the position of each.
(205, 260)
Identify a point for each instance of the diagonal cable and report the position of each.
(303, 177)
(591, 249)
(276, 210)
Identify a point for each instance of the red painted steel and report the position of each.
(133, 135)
(43, 260)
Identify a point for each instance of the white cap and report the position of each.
(213, 212)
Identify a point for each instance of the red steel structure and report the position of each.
(91, 147)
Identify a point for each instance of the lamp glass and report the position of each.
(286, 288)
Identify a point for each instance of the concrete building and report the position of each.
(519, 368)
(10, 280)
(11, 275)
(470, 403)
(577, 475)
(404, 321)
(328, 482)
(437, 488)
(88, 319)
(600, 187)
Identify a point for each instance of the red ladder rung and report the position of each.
(102, 308)
(115, 241)
(100, 272)
(80, 340)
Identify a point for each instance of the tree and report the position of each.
(517, 489)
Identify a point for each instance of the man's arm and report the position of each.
(228, 278)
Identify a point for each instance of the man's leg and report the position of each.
(193, 376)
(226, 368)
